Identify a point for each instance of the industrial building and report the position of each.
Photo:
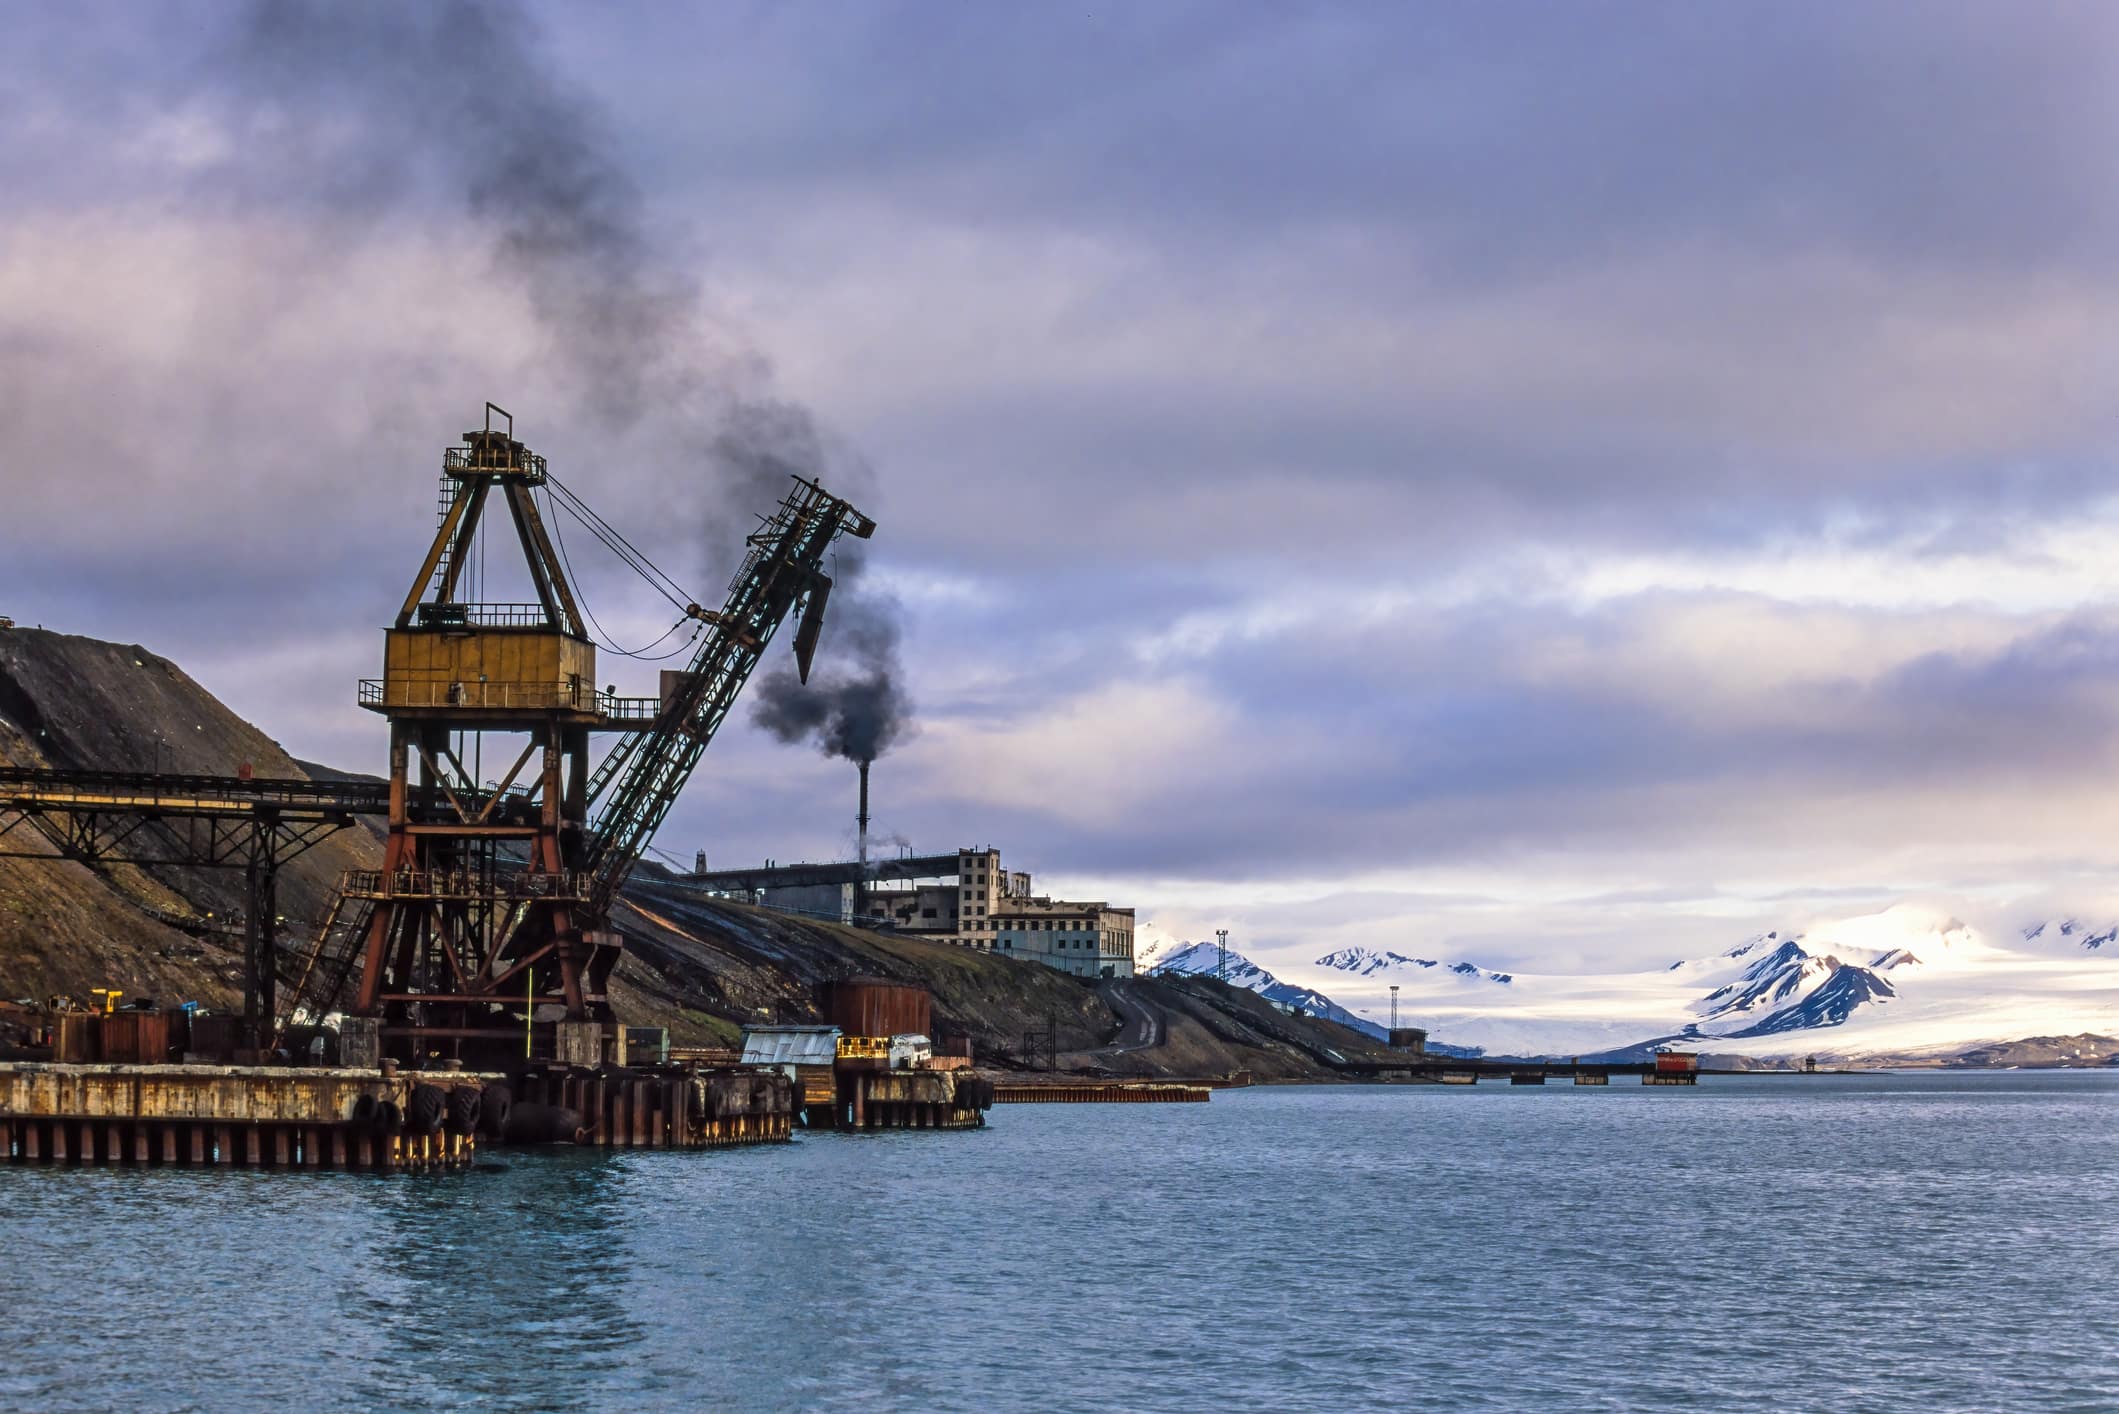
(965, 897)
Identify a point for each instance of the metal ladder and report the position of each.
(331, 960)
(444, 500)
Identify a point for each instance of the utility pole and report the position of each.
(1221, 968)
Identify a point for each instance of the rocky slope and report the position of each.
(82, 704)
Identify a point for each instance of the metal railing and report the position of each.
(524, 460)
(510, 696)
(453, 615)
(174, 793)
(511, 885)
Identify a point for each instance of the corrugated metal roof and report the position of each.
(790, 1045)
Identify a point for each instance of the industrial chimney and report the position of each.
(862, 818)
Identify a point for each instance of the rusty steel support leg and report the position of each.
(261, 932)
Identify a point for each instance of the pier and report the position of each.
(1665, 1068)
(245, 1116)
(1103, 1092)
(377, 1120)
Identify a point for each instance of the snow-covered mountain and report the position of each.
(1365, 962)
(2068, 930)
(1204, 959)
(1903, 981)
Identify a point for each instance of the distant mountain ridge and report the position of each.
(1204, 959)
(1365, 962)
(1907, 980)
(2091, 940)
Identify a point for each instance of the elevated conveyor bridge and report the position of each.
(256, 824)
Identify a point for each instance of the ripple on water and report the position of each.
(1915, 1242)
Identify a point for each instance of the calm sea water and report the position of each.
(1848, 1243)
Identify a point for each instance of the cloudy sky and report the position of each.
(1542, 483)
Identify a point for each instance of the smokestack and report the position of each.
(862, 818)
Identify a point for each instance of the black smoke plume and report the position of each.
(377, 108)
(855, 707)
(369, 106)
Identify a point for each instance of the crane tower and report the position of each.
(490, 912)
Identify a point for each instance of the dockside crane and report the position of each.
(492, 909)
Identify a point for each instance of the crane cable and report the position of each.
(616, 543)
(634, 560)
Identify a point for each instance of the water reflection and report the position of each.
(495, 1286)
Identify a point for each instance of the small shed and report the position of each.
(803, 1053)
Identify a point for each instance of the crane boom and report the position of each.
(637, 783)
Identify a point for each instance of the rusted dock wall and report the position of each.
(665, 1109)
(243, 1115)
(286, 1117)
(915, 1098)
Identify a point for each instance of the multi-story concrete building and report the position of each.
(1086, 939)
(966, 898)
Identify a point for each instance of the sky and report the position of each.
(1553, 485)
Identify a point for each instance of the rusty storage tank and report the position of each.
(877, 1006)
(1408, 1038)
